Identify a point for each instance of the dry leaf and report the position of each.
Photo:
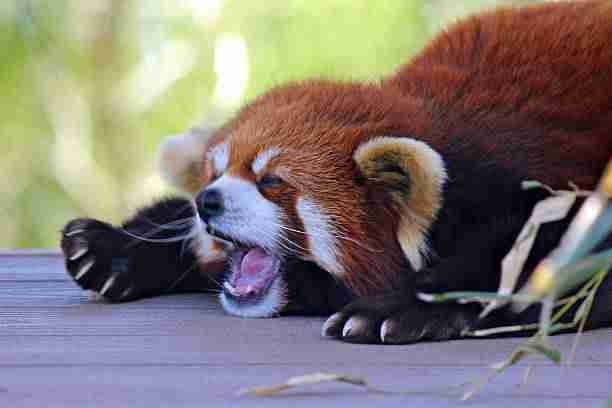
(304, 380)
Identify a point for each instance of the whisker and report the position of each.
(189, 270)
(181, 277)
(173, 225)
(285, 247)
(213, 280)
(335, 235)
(283, 241)
(295, 244)
(183, 247)
(158, 240)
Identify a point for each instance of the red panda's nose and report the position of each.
(209, 203)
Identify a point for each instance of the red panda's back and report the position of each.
(532, 83)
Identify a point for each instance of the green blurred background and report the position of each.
(88, 88)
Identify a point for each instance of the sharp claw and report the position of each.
(79, 253)
(74, 232)
(330, 323)
(384, 331)
(346, 330)
(126, 293)
(108, 284)
(85, 268)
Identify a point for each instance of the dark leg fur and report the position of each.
(114, 263)
(400, 318)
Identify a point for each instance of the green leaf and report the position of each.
(531, 184)
(572, 275)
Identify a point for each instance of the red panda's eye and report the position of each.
(269, 181)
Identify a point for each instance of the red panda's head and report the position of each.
(316, 173)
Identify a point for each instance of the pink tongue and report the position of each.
(254, 263)
(256, 271)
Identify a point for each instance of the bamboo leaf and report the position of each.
(500, 330)
(551, 353)
(463, 297)
(496, 369)
(581, 271)
(548, 210)
(531, 184)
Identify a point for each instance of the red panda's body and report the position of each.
(539, 78)
(319, 191)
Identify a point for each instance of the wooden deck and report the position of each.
(59, 347)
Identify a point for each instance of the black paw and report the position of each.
(398, 318)
(96, 258)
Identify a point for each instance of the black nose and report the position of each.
(209, 203)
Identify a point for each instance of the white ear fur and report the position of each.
(415, 174)
(180, 158)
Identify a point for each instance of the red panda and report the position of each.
(349, 198)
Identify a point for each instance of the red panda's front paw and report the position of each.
(93, 258)
(398, 318)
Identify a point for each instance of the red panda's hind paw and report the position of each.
(398, 318)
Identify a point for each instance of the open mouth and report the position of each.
(253, 272)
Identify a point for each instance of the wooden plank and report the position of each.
(61, 293)
(199, 386)
(305, 348)
(19, 267)
(61, 347)
(90, 333)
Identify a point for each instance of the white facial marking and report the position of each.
(320, 236)
(84, 269)
(219, 155)
(262, 159)
(272, 303)
(247, 215)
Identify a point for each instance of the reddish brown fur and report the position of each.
(506, 86)
(543, 69)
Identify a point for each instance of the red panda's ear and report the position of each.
(414, 174)
(180, 159)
